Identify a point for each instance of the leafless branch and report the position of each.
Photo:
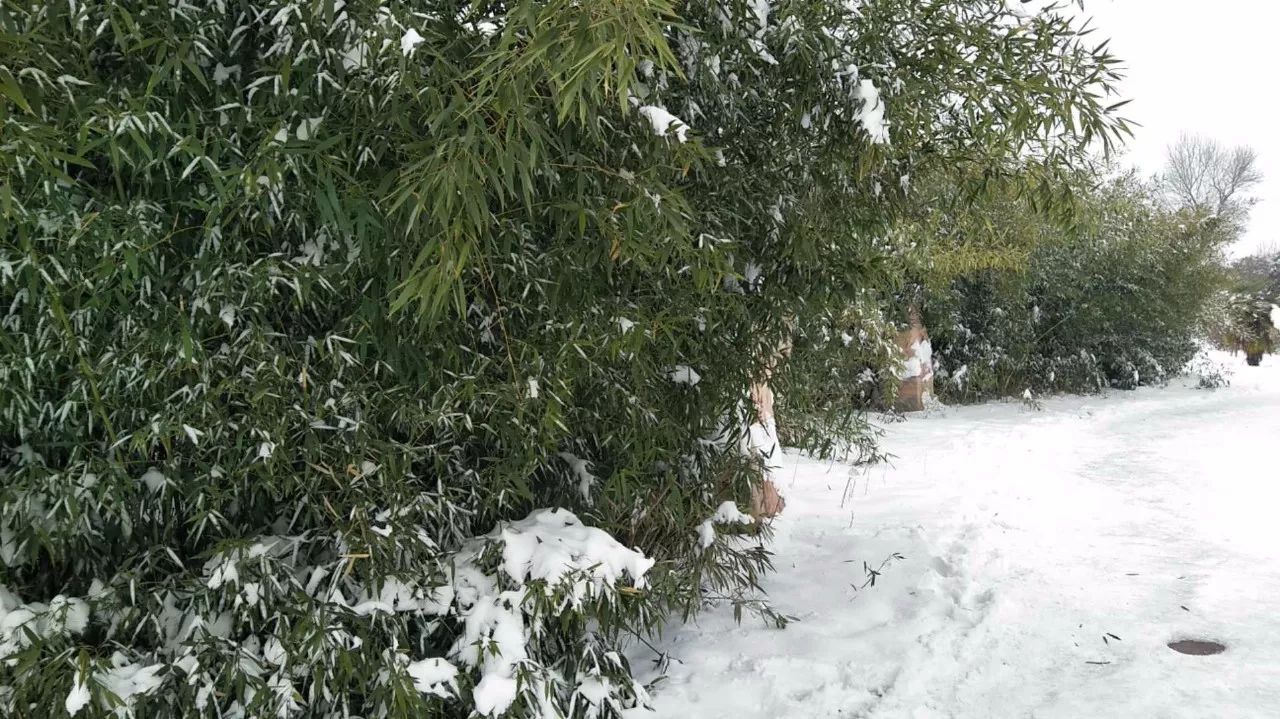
(1205, 176)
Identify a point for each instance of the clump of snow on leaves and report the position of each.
(664, 123)
(684, 374)
(726, 513)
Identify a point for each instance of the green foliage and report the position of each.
(299, 298)
(1246, 318)
(846, 360)
(1258, 273)
(1116, 299)
(1245, 321)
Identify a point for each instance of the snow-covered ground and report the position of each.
(1048, 558)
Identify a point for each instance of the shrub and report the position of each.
(1245, 318)
(1115, 299)
(312, 309)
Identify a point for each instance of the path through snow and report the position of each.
(1028, 536)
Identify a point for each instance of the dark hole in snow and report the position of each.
(1196, 647)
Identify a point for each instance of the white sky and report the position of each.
(1207, 68)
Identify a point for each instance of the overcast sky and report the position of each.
(1202, 67)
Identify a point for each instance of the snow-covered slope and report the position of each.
(1048, 557)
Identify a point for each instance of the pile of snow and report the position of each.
(1275, 316)
(154, 480)
(759, 16)
(396, 595)
(487, 28)
(553, 546)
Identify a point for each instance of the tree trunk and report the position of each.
(763, 438)
(913, 342)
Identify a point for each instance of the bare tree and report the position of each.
(1204, 175)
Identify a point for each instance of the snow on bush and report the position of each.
(871, 113)
(118, 682)
(410, 41)
(1208, 372)
(726, 513)
(20, 622)
(684, 374)
(547, 564)
(346, 323)
(664, 122)
(582, 471)
(506, 592)
(434, 676)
